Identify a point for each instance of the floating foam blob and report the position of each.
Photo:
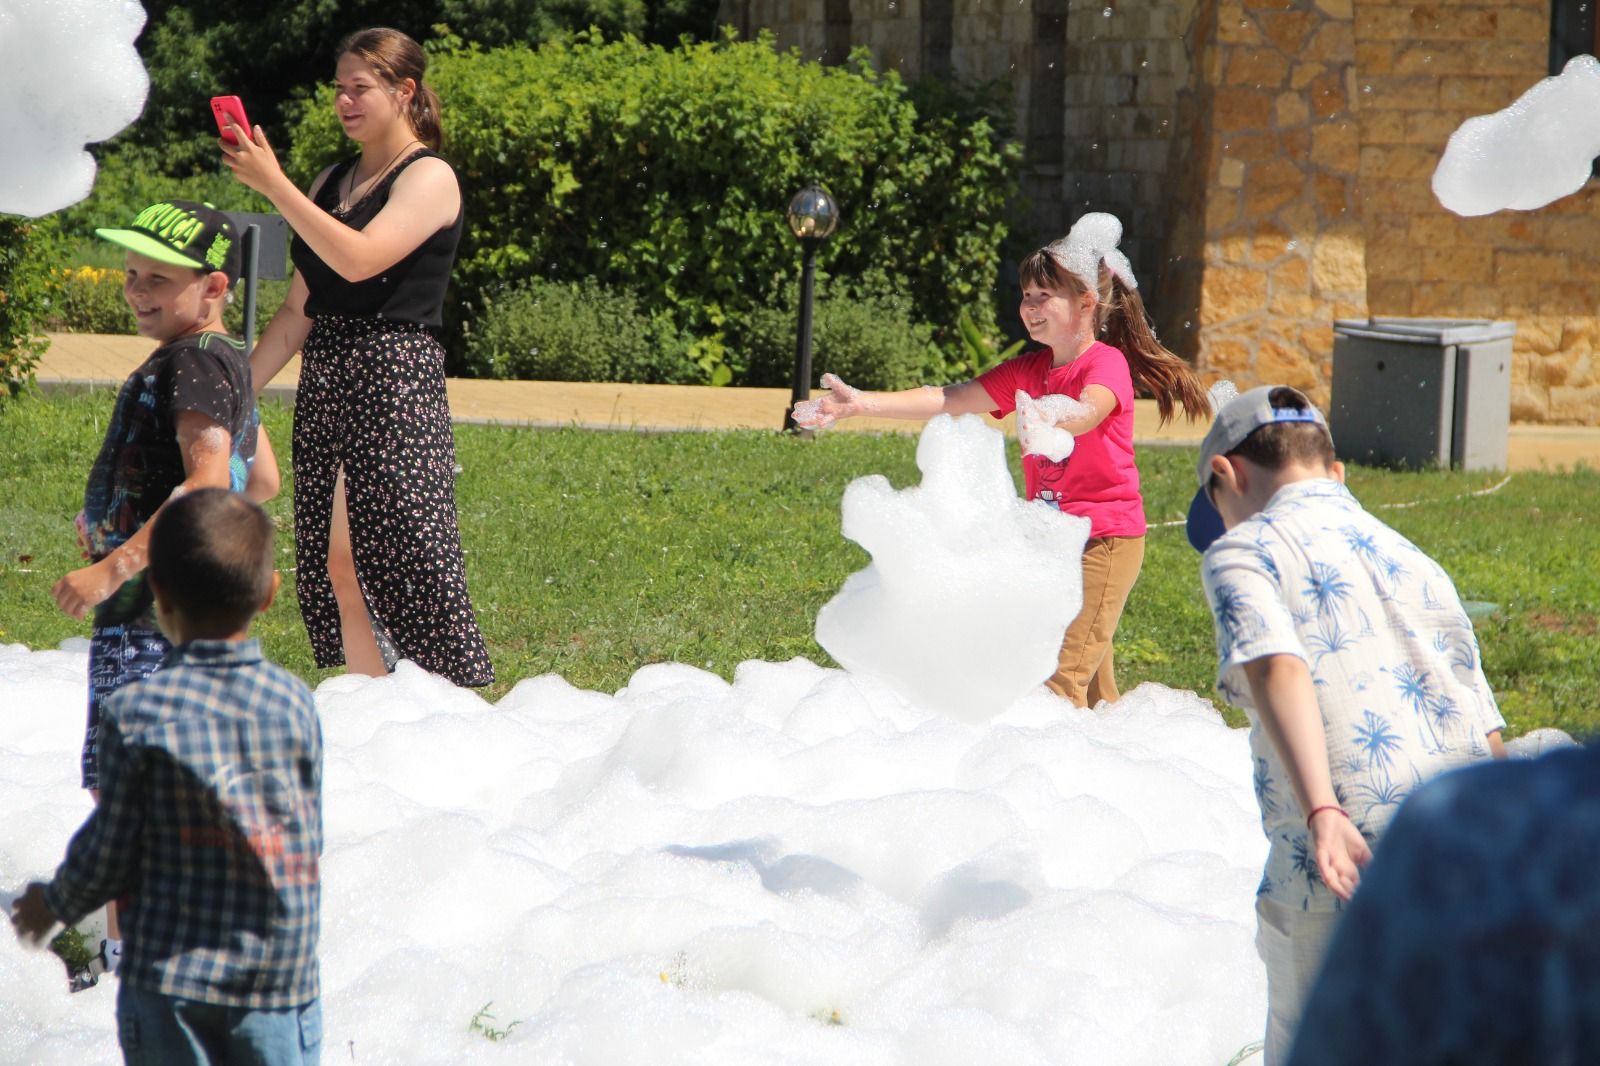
(795, 867)
(970, 587)
(1537, 742)
(1220, 393)
(69, 76)
(1532, 153)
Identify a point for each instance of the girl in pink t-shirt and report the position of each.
(1080, 299)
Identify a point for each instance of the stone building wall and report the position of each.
(801, 24)
(1126, 61)
(1023, 44)
(1423, 69)
(1271, 161)
(1282, 253)
(893, 29)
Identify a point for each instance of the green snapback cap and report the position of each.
(182, 233)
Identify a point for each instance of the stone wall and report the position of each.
(801, 24)
(1283, 249)
(1271, 161)
(1126, 61)
(1423, 69)
(893, 29)
(1023, 44)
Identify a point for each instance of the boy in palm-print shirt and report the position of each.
(1350, 652)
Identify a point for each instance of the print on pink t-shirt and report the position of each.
(1099, 480)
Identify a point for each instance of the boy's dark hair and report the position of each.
(1276, 446)
(211, 559)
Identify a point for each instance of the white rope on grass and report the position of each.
(1490, 491)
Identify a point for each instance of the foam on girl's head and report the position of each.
(1093, 240)
(70, 77)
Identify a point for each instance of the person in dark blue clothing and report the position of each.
(1475, 937)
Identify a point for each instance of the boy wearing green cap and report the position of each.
(185, 419)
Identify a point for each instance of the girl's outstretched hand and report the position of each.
(842, 401)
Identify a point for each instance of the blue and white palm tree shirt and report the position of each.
(1391, 653)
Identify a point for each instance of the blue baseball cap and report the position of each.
(1204, 524)
(1237, 419)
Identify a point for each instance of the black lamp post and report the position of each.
(812, 216)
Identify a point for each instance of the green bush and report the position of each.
(88, 299)
(271, 53)
(567, 331)
(870, 342)
(666, 172)
(130, 179)
(269, 297)
(28, 252)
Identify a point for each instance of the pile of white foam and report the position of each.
(798, 867)
(1539, 149)
(69, 76)
(802, 866)
(970, 588)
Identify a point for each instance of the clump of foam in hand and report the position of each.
(970, 588)
(1539, 742)
(1533, 152)
(809, 414)
(69, 76)
(1037, 430)
(693, 872)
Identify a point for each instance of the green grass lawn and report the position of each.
(591, 554)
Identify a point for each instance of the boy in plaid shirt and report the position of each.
(210, 815)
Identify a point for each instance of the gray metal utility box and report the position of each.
(1421, 392)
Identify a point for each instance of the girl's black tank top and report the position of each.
(411, 290)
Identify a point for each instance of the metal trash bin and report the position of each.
(1422, 392)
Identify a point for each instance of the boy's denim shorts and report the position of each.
(158, 1030)
(118, 655)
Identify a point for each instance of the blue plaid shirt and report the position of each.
(210, 819)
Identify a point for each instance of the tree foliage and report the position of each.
(666, 172)
(271, 52)
(27, 256)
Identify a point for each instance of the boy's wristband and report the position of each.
(1325, 807)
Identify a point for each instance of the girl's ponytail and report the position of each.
(425, 116)
(1122, 322)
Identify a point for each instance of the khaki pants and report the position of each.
(1292, 944)
(1085, 674)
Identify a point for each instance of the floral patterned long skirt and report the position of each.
(371, 401)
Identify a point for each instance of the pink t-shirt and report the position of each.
(1099, 480)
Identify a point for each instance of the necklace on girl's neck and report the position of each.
(349, 199)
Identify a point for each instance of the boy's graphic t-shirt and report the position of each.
(1099, 480)
(140, 461)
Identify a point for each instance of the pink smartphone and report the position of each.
(226, 107)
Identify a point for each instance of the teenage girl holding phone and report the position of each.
(380, 570)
